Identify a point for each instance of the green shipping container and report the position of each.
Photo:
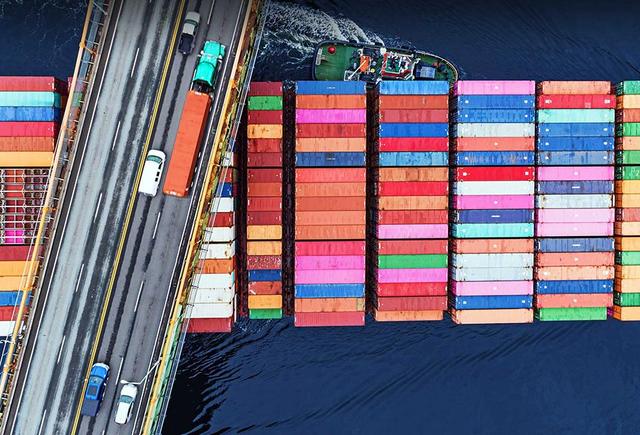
(492, 231)
(554, 314)
(626, 299)
(628, 158)
(631, 87)
(628, 173)
(30, 99)
(274, 313)
(576, 115)
(628, 129)
(265, 103)
(628, 258)
(426, 261)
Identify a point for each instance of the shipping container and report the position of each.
(411, 102)
(494, 87)
(331, 101)
(329, 319)
(439, 87)
(575, 87)
(407, 316)
(330, 88)
(32, 84)
(265, 88)
(492, 316)
(30, 99)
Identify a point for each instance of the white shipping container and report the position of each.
(492, 274)
(217, 251)
(221, 310)
(490, 129)
(219, 234)
(574, 201)
(6, 328)
(222, 205)
(215, 280)
(493, 260)
(211, 295)
(494, 187)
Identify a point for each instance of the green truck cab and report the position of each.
(209, 61)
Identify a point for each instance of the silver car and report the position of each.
(128, 396)
(189, 31)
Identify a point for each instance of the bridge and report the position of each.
(114, 271)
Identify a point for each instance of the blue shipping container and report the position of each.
(574, 287)
(494, 216)
(414, 130)
(329, 290)
(226, 190)
(415, 87)
(495, 158)
(576, 129)
(492, 302)
(496, 101)
(30, 114)
(331, 88)
(579, 244)
(577, 187)
(9, 299)
(580, 143)
(495, 115)
(576, 158)
(414, 159)
(265, 275)
(330, 159)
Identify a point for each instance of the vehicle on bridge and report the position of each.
(128, 396)
(151, 173)
(189, 31)
(193, 120)
(96, 387)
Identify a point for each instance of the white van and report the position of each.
(152, 172)
(127, 398)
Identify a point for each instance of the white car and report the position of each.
(128, 396)
(152, 172)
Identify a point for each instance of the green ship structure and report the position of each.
(342, 60)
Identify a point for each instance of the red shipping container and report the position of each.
(411, 289)
(264, 204)
(264, 175)
(331, 175)
(574, 300)
(14, 252)
(331, 203)
(221, 219)
(264, 160)
(391, 144)
(495, 173)
(29, 129)
(345, 318)
(265, 89)
(330, 248)
(494, 144)
(492, 246)
(264, 189)
(391, 217)
(628, 115)
(413, 303)
(628, 215)
(264, 146)
(412, 247)
(264, 117)
(27, 144)
(559, 101)
(413, 188)
(8, 313)
(404, 102)
(210, 325)
(230, 175)
(414, 115)
(32, 84)
(264, 262)
(265, 287)
(331, 130)
(264, 218)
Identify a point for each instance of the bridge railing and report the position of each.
(224, 143)
(91, 42)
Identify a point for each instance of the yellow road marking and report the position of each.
(132, 200)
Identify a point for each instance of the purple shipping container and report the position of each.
(413, 275)
(331, 116)
(492, 288)
(495, 87)
(575, 173)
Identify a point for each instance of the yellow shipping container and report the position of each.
(265, 301)
(628, 243)
(264, 248)
(628, 272)
(10, 283)
(625, 285)
(264, 131)
(26, 159)
(264, 232)
(626, 313)
(629, 143)
(628, 201)
(14, 268)
(628, 102)
(627, 186)
(337, 144)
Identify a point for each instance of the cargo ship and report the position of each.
(342, 60)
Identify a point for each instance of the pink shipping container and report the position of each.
(573, 173)
(330, 248)
(576, 215)
(488, 202)
(355, 318)
(413, 275)
(330, 262)
(28, 129)
(331, 116)
(580, 229)
(329, 276)
(492, 288)
(495, 87)
(413, 231)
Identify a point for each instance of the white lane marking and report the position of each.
(211, 12)
(79, 277)
(61, 347)
(115, 137)
(138, 298)
(104, 431)
(155, 229)
(95, 215)
(135, 61)
(119, 371)
(64, 227)
(44, 415)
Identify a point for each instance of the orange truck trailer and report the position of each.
(185, 150)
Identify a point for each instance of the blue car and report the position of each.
(96, 387)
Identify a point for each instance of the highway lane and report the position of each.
(158, 235)
(76, 277)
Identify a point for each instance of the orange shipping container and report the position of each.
(628, 143)
(575, 87)
(574, 273)
(264, 301)
(628, 243)
(264, 247)
(264, 189)
(264, 232)
(413, 174)
(628, 201)
(413, 102)
(10, 283)
(27, 144)
(264, 131)
(188, 139)
(626, 313)
(469, 317)
(209, 266)
(627, 186)
(574, 259)
(629, 115)
(331, 189)
(492, 246)
(407, 316)
(336, 144)
(413, 202)
(330, 232)
(331, 130)
(574, 300)
(626, 285)
(330, 217)
(628, 101)
(331, 175)
(26, 159)
(14, 268)
(338, 203)
(331, 101)
(265, 287)
(330, 305)
(628, 272)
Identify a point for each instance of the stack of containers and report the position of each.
(574, 201)
(411, 176)
(13, 262)
(330, 201)
(627, 229)
(493, 201)
(264, 200)
(213, 293)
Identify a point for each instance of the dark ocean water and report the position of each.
(431, 378)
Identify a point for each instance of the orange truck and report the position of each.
(185, 150)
